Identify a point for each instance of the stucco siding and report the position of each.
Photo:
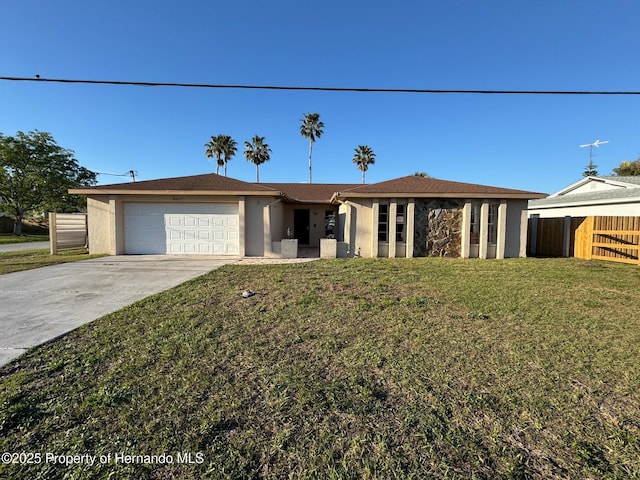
(254, 225)
(99, 225)
(513, 234)
(360, 232)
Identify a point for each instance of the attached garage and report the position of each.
(181, 229)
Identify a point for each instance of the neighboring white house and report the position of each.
(592, 196)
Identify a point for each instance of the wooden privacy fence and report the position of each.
(615, 239)
(552, 237)
(67, 230)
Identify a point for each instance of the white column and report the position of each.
(393, 211)
(502, 229)
(241, 220)
(410, 226)
(465, 237)
(484, 228)
(266, 236)
(375, 210)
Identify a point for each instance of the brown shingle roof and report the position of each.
(209, 183)
(414, 185)
(212, 184)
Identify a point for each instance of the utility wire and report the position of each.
(321, 89)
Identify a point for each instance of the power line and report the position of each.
(320, 89)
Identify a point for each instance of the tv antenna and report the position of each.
(591, 167)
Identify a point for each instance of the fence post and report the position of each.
(53, 234)
(566, 236)
(533, 247)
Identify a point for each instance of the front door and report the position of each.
(301, 226)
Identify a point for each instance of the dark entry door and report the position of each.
(301, 226)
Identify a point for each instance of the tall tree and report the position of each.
(257, 152)
(36, 175)
(364, 157)
(311, 128)
(628, 168)
(229, 148)
(591, 170)
(214, 148)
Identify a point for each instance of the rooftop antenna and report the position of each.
(591, 168)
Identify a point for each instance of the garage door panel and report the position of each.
(203, 229)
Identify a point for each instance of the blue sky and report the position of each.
(526, 142)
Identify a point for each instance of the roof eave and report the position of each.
(214, 193)
(515, 196)
(585, 203)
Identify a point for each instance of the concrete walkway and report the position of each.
(17, 247)
(42, 304)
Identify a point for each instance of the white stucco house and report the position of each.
(213, 215)
(591, 196)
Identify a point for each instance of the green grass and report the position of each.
(29, 259)
(425, 368)
(10, 238)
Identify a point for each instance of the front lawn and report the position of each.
(420, 368)
(29, 259)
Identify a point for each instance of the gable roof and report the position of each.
(612, 181)
(622, 190)
(416, 186)
(206, 184)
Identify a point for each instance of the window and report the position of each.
(400, 223)
(383, 223)
(474, 237)
(329, 224)
(492, 227)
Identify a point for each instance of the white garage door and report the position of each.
(194, 228)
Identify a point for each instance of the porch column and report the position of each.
(410, 226)
(465, 236)
(375, 211)
(241, 214)
(484, 228)
(393, 211)
(502, 229)
(524, 231)
(347, 226)
(266, 237)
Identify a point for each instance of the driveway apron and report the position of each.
(41, 304)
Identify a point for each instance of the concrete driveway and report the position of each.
(39, 305)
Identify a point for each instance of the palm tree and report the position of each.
(364, 157)
(257, 152)
(222, 147)
(229, 148)
(311, 128)
(214, 149)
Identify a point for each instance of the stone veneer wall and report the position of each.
(437, 228)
